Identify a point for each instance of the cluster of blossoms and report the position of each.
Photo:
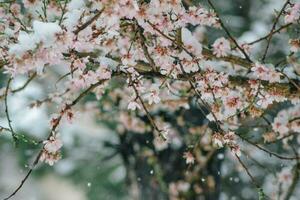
(283, 180)
(223, 100)
(293, 13)
(51, 153)
(287, 121)
(265, 72)
(228, 139)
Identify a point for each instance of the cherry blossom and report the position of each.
(293, 14)
(267, 73)
(53, 144)
(153, 95)
(50, 158)
(295, 45)
(221, 47)
(190, 159)
(287, 121)
(50, 153)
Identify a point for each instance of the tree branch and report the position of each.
(36, 161)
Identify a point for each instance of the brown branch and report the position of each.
(90, 21)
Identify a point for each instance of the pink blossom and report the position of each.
(235, 150)
(79, 64)
(53, 144)
(295, 45)
(293, 14)
(266, 73)
(221, 47)
(189, 157)
(50, 158)
(153, 95)
(218, 140)
(190, 42)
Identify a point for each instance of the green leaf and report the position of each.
(261, 194)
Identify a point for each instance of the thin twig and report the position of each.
(266, 150)
(148, 113)
(273, 28)
(63, 11)
(36, 161)
(248, 172)
(90, 21)
(268, 35)
(296, 177)
(7, 112)
(145, 48)
(23, 86)
(228, 32)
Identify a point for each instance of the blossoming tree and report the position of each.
(177, 95)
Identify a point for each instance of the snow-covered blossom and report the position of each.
(165, 132)
(221, 47)
(128, 53)
(190, 42)
(159, 143)
(42, 32)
